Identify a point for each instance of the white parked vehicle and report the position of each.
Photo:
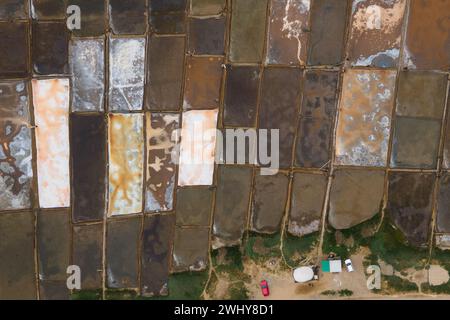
(349, 265)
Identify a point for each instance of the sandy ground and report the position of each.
(282, 286)
(437, 275)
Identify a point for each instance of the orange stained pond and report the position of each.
(126, 163)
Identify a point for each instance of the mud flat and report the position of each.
(269, 202)
(17, 277)
(122, 253)
(308, 194)
(190, 252)
(231, 206)
(156, 250)
(313, 149)
(87, 253)
(194, 206)
(88, 145)
(356, 196)
(410, 204)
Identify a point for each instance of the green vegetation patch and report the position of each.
(121, 295)
(86, 295)
(228, 262)
(212, 284)
(341, 293)
(370, 259)
(260, 247)
(296, 249)
(185, 286)
(182, 286)
(227, 259)
(346, 242)
(238, 291)
(345, 293)
(398, 284)
(390, 245)
(329, 293)
(441, 257)
(440, 289)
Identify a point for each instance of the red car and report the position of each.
(264, 288)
